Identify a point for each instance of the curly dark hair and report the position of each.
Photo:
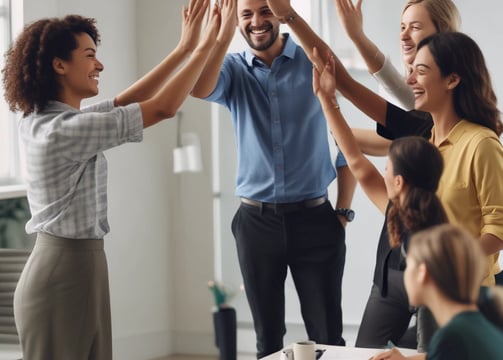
(28, 76)
(420, 164)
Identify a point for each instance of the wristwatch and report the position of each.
(349, 214)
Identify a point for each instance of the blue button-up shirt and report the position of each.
(282, 139)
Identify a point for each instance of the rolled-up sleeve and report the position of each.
(488, 163)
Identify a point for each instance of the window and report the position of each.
(10, 169)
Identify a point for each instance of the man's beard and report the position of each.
(262, 46)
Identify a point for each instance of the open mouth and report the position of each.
(260, 30)
(408, 48)
(417, 93)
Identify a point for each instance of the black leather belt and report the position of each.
(286, 207)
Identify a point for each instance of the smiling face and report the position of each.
(257, 24)
(431, 90)
(79, 75)
(416, 24)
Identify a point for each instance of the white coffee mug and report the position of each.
(304, 350)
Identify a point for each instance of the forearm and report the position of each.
(209, 76)
(491, 244)
(340, 130)
(346, 184)
(373, 57)
(151, 82)
(371, 104)
(307, 37)
(171, 96)
(370, 142)
(366, 100)
(361, 169)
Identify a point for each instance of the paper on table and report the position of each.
(352, 353)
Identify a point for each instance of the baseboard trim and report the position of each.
(194, 343)
(156, 345)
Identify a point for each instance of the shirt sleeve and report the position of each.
(219, 94)
(488, 172)
(340, 160)
(400, 123)
(102, 106)
(394, 84)
(87, 133)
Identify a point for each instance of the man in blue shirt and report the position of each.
(284, 169)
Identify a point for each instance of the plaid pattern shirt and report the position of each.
(66, 168)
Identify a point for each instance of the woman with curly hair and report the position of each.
(405, 195)
(61, 303)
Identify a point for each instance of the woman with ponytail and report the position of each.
(405, 195)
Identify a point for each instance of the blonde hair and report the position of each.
(443, 13)
(454, 260)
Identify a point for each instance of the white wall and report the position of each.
(160, 248)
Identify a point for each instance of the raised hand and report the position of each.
(280, 8)
(212, 28)
(324, 83)
(350, 16)
(192, 19)
(229, 18)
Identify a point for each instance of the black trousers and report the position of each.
(309, 241)
(387, 318)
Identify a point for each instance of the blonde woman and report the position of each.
(420, 18)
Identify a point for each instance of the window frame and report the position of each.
(11, 178)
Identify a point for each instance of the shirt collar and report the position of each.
(288, 50)
(454, 135)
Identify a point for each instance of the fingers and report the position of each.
(197, 8)
(214, 21)
(185, 12)
(344, 5)
(385, 355)
(317, 61)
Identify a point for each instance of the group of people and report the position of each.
(440, 194)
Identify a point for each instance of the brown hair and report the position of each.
(474, 97)
(420, 164)
(454, 260)
(28, 77)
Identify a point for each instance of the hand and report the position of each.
(324, 82)
(350, 16)
(280, 8)
(393, 354)
(192, 18)
(229, 18)
(212, 28)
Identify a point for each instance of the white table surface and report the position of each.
(333, 352)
